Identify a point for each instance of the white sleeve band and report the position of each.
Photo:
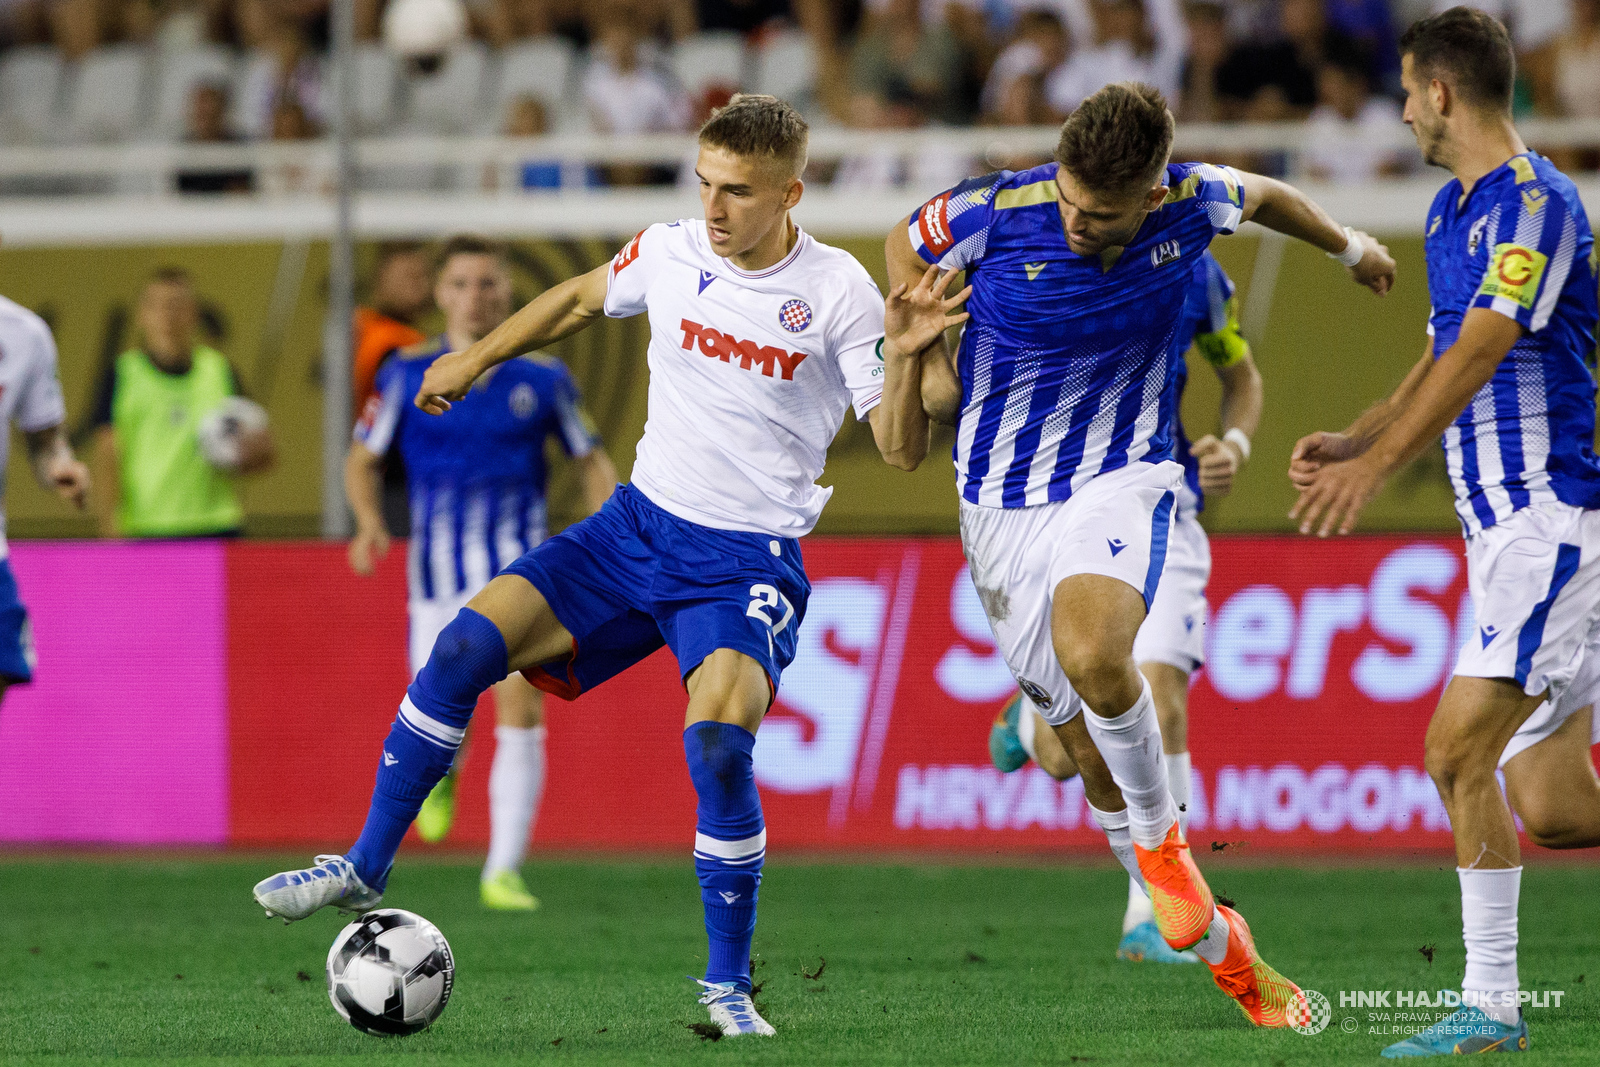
(1239, 438)
(1353, 251)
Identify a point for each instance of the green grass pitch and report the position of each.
(168, 961)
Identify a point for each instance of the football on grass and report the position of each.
(390, 973)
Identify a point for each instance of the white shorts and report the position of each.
(1116, 525)
(1582, 692)
(1174, 633)
(1535, 582)
(428, 620)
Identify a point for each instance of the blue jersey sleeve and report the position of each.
(379, 423)
(1537, 239)
(952, 229)
(573, 427)
(1217, 192)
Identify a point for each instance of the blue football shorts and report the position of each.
(16, 633)
(633, 577)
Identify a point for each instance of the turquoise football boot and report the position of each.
(1005, 746)
(1462, 1033)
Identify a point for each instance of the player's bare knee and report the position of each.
(1455, 762)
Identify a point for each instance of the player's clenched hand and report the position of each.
(913, 318)
(1315, 450)
(1335, 494)
(70, 478)
(366, 548)
(1219, 462)
(448, 378)
(1376, 269)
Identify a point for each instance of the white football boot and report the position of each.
(295, 894)
(732, 1010)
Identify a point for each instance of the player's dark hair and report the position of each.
(469, 244)
(170, 275)
(1119, 139)
(1469, 50)
(754, 125)
(392, 250)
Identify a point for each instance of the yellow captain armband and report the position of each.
(1224, 347)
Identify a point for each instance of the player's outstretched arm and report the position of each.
(1337, 493)
(1242, 398)
(56, 468)
(560, 311)
(363, 487)
(1280, 206)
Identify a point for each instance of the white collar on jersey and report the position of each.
(799, 240)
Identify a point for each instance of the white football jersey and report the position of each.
(750, 374)
(30, 394)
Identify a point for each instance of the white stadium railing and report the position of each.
(414, 186)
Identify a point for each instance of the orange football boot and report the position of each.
(1179, 897)
(1266, 997)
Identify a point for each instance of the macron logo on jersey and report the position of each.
(935, 225)
(726, 347)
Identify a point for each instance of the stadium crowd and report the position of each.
(249, 70)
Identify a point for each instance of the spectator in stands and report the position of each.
(208, 124)
(290, 123)
(527, 117)
(740, 16)
(1135, 40)
(1370, 24)
(625, 92)
(927, 169)
(1577, 72)
(1207, 25)
(402, 293)
(1013, 95)
(1349, 137)
(899, 46)
(284, 69)
(150, 476)
(1276, 80)
(23, 22)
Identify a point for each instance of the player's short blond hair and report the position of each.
(758, 126)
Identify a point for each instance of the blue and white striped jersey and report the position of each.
(476, 474)
(1065, 364)
(1519, 244)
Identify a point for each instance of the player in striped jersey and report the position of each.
(476, 479)
(1079, 271)
(1171, 644)
(1507, 378)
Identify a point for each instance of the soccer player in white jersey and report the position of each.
(1079, 271)
(1506, 378)
(761, 337)
(30, 398)
(476, 481)
(1170, 646)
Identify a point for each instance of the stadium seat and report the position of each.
(177, 75)
(541, 68)
(451, 100)
(709, 60)
(106, 93)
(786, 67)
(30, 90)
(377, 83)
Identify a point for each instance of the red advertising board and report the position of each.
(1325, 661)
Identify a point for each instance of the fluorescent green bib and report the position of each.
(168, 488)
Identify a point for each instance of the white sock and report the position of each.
(1026, 725)
(1131, 746)
(1139, 910)
(516, 781)
(1178, 784)
(1115, 824)
(1214, 946)
(1489, 928)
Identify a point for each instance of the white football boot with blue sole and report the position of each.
(1144, 944)
(732, 1010)
(333, 880)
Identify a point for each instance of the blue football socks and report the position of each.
(468, 658)
(730, 843)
